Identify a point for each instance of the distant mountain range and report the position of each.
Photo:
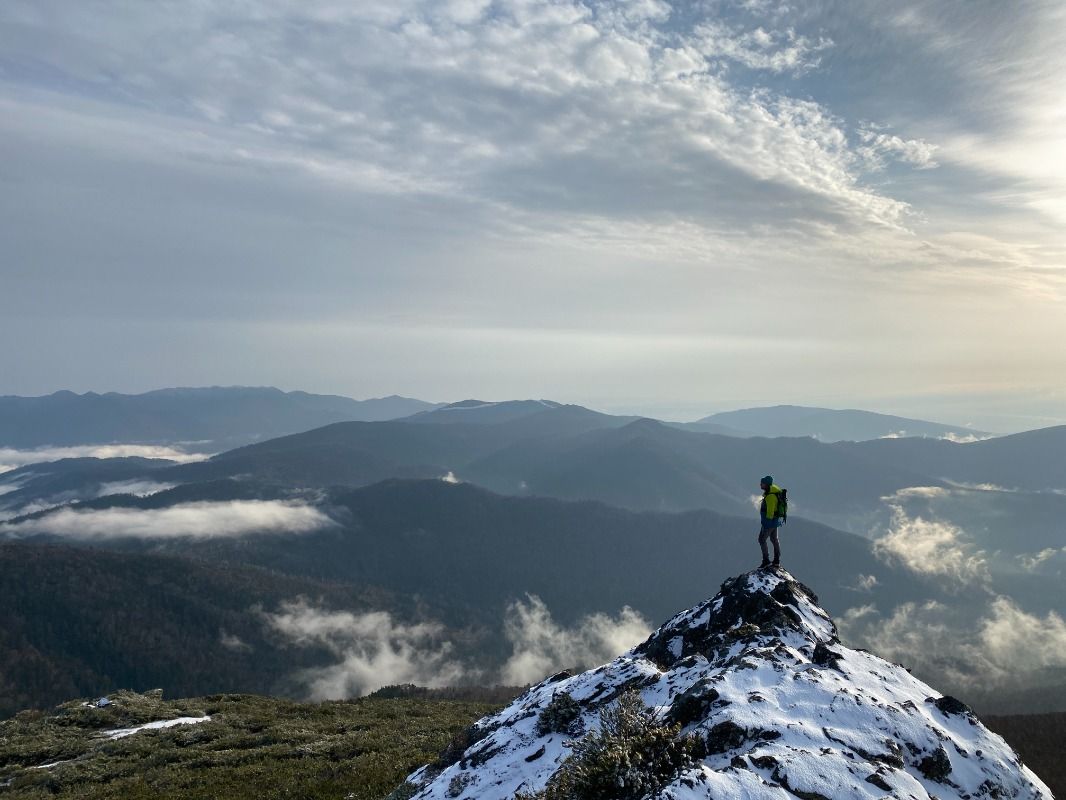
(827, 424)
(571, 452)
(219, 418)
(462, 509)
(223, 416)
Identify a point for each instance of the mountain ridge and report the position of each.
(227, 414)
(748, 694)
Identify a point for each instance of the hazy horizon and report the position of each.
(638, 206)
(680, 412)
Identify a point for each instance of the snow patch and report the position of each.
(121, 733)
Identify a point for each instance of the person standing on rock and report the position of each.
(770, 516)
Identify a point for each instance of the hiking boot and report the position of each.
(775, 563)
(764, 565)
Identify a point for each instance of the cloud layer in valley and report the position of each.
(201, 520)
(1005, 647)
(540, 645)
(374, 649)
(11, 458)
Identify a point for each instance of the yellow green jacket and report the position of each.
(768, 508)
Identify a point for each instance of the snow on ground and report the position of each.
(786, 710)
(120, 733)
(53, 764)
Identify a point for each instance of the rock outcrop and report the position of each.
(758, 682)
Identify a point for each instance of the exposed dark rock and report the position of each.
(879, 782)
(482, 755)
(993, 790)
(824, 657)
(763, 735)
(764, 762)
(534, 756)
(893, 758)
(950, 705)
(725, 736)
(742, 615)
(936, 767)
(692, 704)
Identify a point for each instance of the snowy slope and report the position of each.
(785, 709)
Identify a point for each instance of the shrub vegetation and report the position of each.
(253, 747)
(632, 755)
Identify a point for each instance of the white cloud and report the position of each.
(1006, 647)
(929, 547)
(1032, 563)
(141, 488)
(11, 458)
(865, 583)
(490, 155)
(1013, 639)
(960, 438)
(878, 148)
(233, 642)
(541, 646)
(925, 492)
(774, 50)
(374, 650)
(201, 520)
(384, 99)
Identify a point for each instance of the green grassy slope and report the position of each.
(253, 747)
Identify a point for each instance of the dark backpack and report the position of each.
(782, 506)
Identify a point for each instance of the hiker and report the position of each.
(771, 516)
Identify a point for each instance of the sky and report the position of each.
(640, 206)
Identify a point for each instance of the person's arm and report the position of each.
(771, 505)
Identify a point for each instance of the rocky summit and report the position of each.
(748, 695)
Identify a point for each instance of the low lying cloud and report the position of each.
(374, 650)
(864, 583)
(930, 547)
(541, 646)
(983, 487)
(927, 492)
(234, 643)
(204, 520)
(13, 459)
(964, 438)
(141, 488)
(1006, 647)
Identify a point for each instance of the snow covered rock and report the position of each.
(758, 679)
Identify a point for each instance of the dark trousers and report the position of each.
(771, 534)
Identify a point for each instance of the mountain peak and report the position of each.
(759, 604)
(763, 699)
